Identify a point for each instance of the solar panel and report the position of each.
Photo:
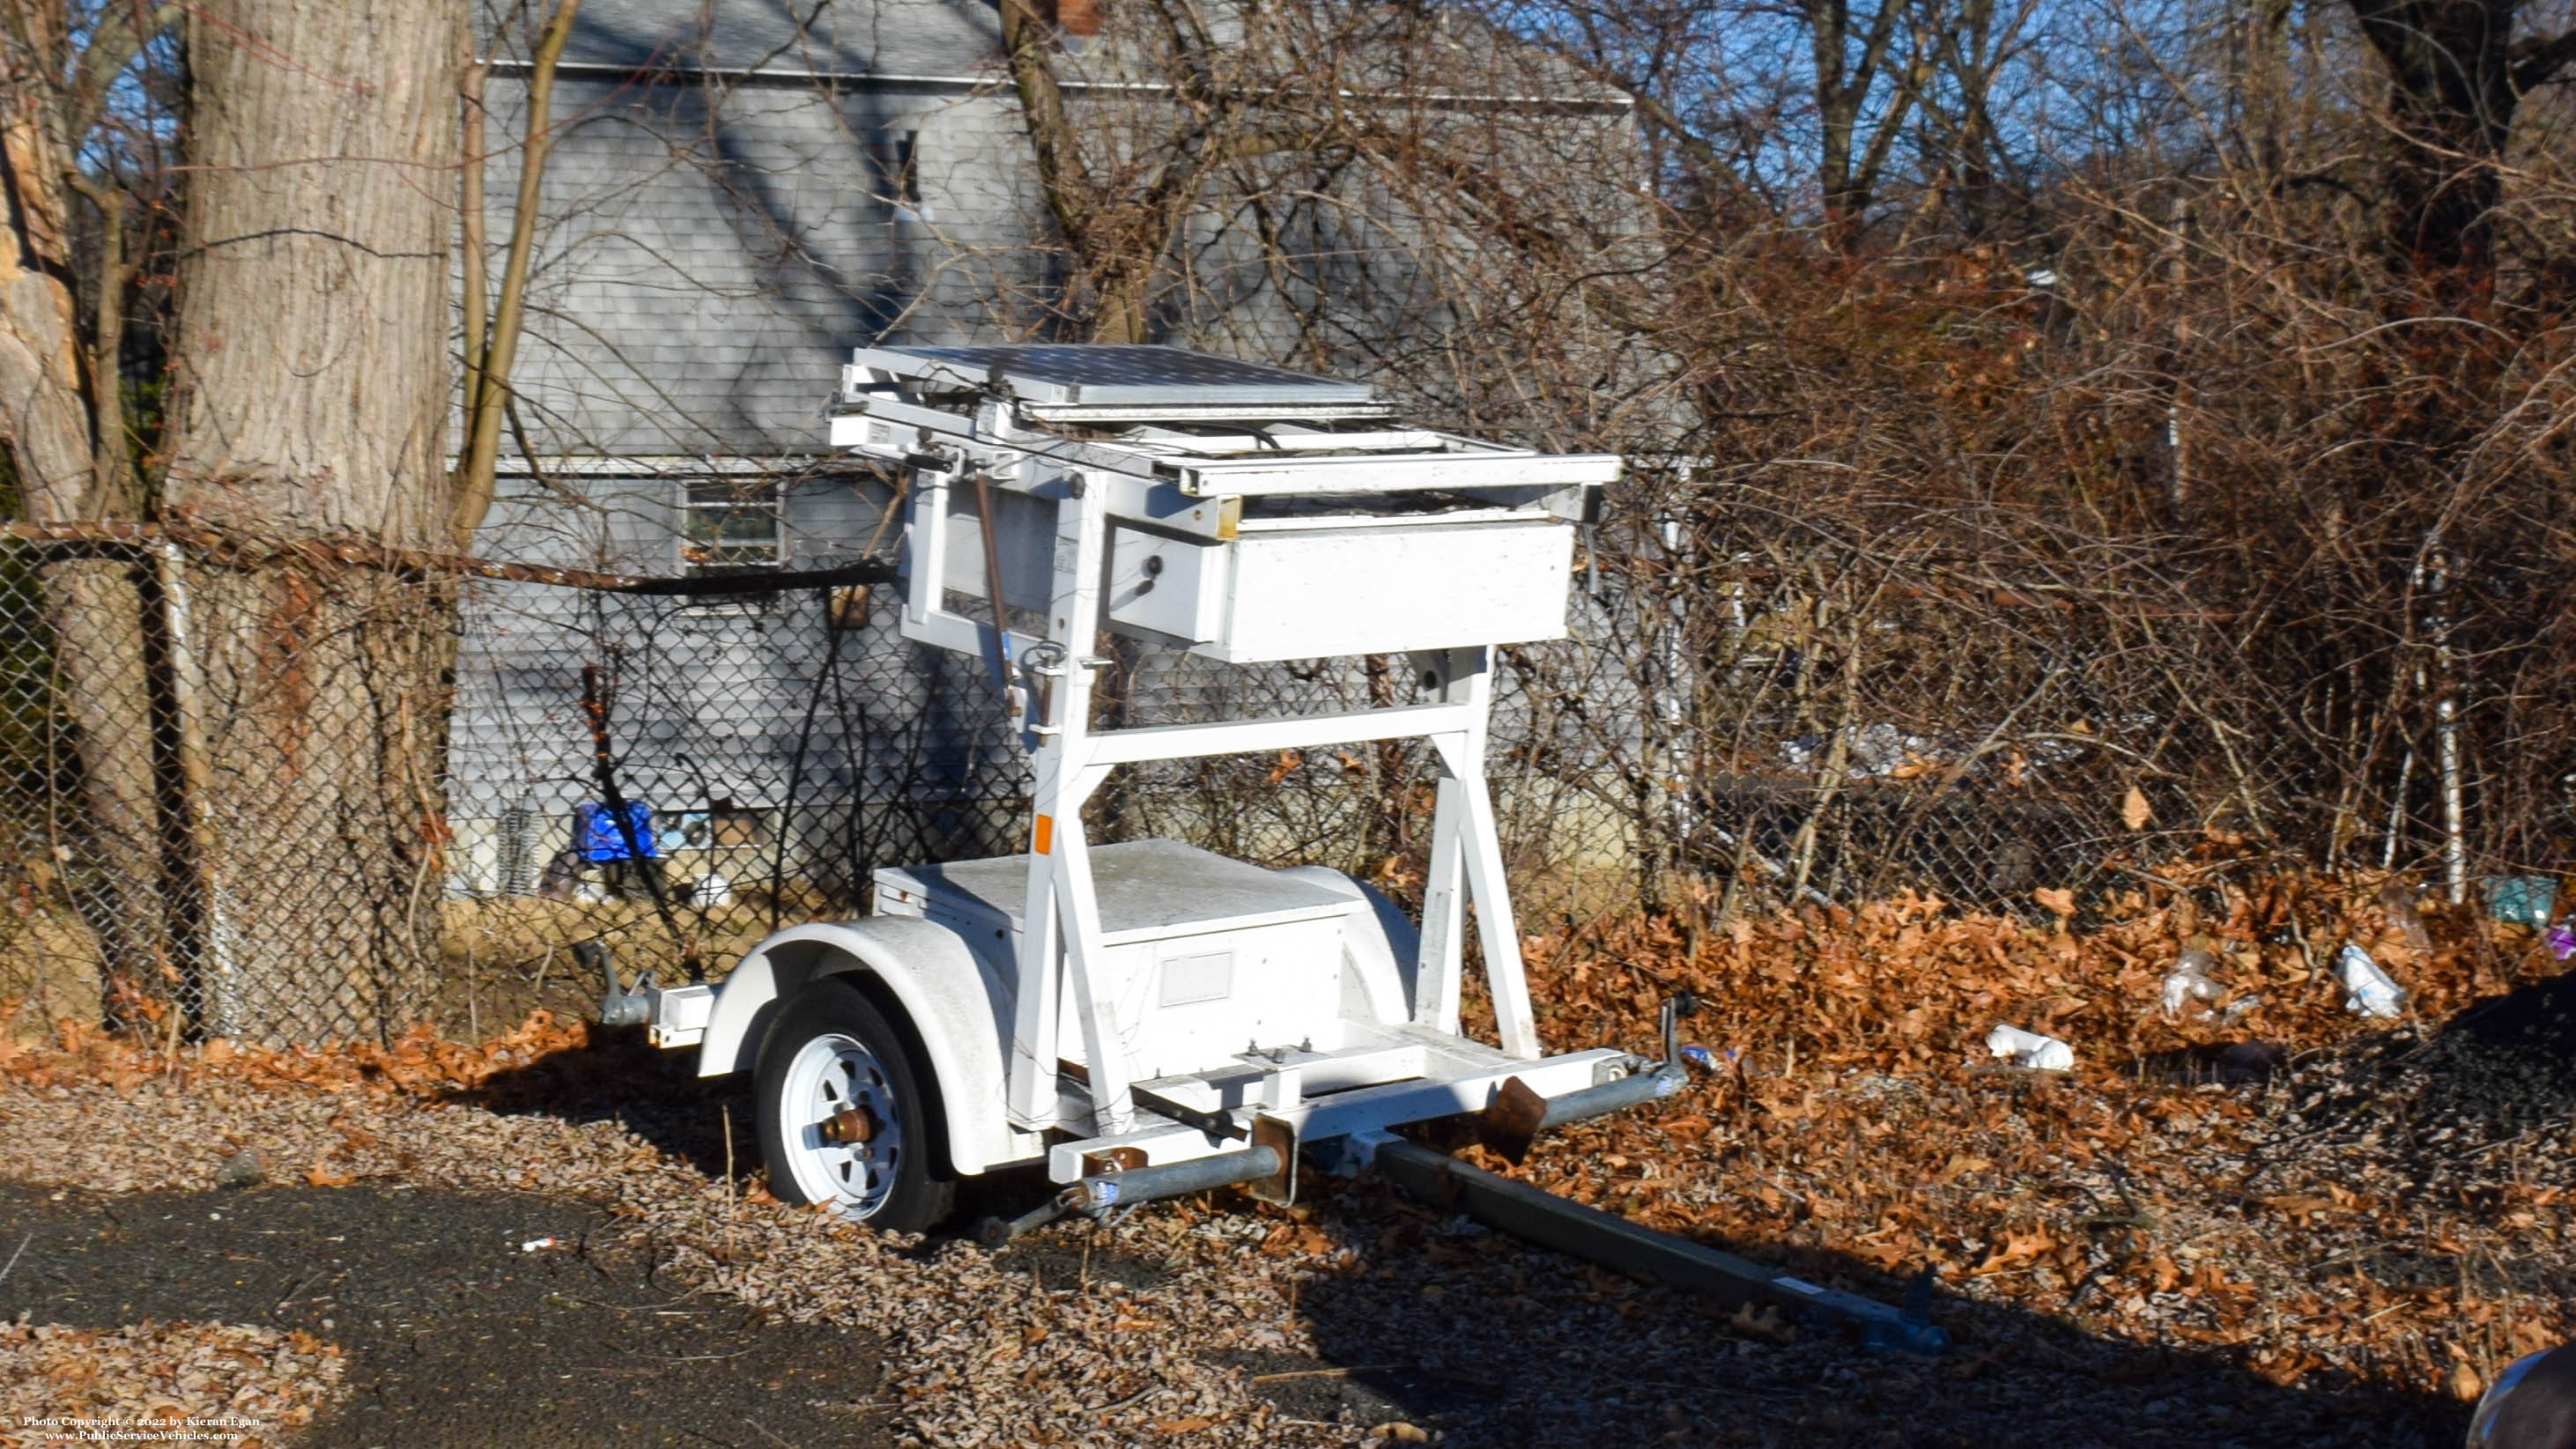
(1114, 375)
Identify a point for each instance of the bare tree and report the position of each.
(2457, 74)
(1865, 61)
(1823, 90)
(1120, 195)
(63, 312)
(86, 188)
(1970, 57)
(311, 395)
(493, 325)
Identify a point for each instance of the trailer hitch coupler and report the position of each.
(619, 1005)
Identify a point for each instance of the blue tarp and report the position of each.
(601, 840)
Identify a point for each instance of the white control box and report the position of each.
(1321, 590)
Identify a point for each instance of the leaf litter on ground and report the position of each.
(2311, 1197)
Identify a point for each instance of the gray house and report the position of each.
(741, 191)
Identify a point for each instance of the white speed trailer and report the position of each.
(1147, 1018)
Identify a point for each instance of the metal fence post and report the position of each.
(219, 1005)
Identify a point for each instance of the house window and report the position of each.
(730, 525)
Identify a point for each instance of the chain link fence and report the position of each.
(320, 791)
(1808, 696)
(222, 770)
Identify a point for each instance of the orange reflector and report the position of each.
(1046, 835)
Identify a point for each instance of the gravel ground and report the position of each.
(452, 1330)
(1354, 1318)
(2256, 1229)
(228, 1382)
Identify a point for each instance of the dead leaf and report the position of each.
(1760, 1321)
(1288, 760)
(2019, 1248)
(2465, 1383)
(2134, 811)
(2300, 1205)
(322, 1176)
(2057, 902)
(1887, 1256)
(1190, 1425)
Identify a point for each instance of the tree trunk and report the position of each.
(105, 658)
(1120, 222)
(2451, 99)
(49, 410)
(1848, 168)
(311, 393)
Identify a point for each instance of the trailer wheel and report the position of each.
(843, 1113)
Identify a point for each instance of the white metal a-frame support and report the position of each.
(1071, 760)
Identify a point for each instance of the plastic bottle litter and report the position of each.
(2398, 900)
(2189, 981)
(2522, 900)
(2368, 991)
(2030, 1049)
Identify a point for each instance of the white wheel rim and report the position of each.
(831, 1074)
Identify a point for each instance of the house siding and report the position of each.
(705, 259)
(710, 247)
(882, 747)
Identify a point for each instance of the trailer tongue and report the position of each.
(1146, 1018)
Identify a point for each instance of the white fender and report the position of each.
(1379, 945)
(955, 999)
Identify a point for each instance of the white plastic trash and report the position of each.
(2368, 991)
(2030, 1049)
(2189, 982)
(711, 892)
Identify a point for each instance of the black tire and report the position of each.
(830, 1045)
